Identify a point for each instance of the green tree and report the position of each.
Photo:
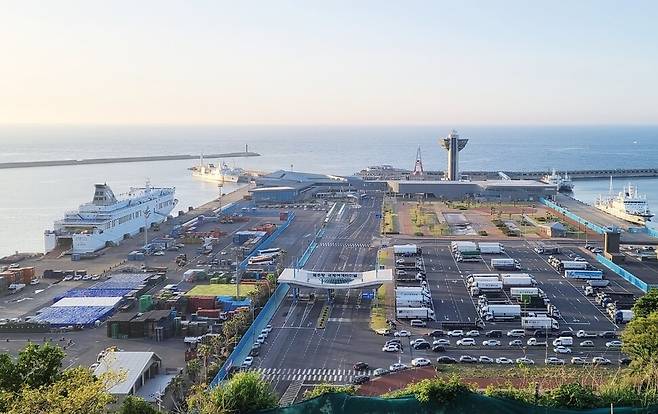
(572, 395)
(9, 378)
(39, 365)
(640, 339)
(646, 304)
(325, 388)
(135, 405)
(244, 393)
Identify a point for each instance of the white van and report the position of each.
(418, 322)
(563, 341)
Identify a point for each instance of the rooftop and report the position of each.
(130, 363)
(335, 280)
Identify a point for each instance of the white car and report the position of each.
(95, 277)
(486, 360)
(77, 277)
(578, 361)
(466, 342)
(491, 342)
(600, 361)
(467, 359)
(456, 332)
(261, 338)
(67, 278)
(86, 277)
(585, 334)
(587, 343)
(562, 350)
(516, 332)
(159, 253)
(34, 281)
(397, 367)
(503, 360)
(247, 362)
(420, 362)
(554, 361)
(391, 348)
(417, 341)
(399, 261)
(402, 334)
(442, 342)
(526, 361)
(613, 344)
(267, 329)
(516, 342)
(473, 333)
(402, 272)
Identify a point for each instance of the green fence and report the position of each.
(470, 403)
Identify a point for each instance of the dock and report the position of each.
(119, 160)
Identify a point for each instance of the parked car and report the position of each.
(578, 361)
(360, 366)
(600, 361)
(503, 360)
(438, 348)
(467, 359)
(584, 334)
(360, 379)
(587, 343)
(446, 360)
(526, 361)
(562, 350)
(516, 342)
(494, 334)
(473, 333)
(456, 332)
(422, 345)
(397, 367)
(420, 362)
(436, 333)
(491, 342)
(608, 335)
(402, 334)
(624, 361)
(486, 360)
(443, 342)
(247, 362)
(554, 361)
(380, 371)
(516, 332)
(466, 342)
(613, 344)
(391, 348)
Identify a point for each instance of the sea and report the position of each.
(32, 198)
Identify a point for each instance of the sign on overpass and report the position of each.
(335, 280)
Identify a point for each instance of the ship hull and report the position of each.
(216, 178)
(631, 218)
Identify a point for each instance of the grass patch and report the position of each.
(378, 311)
(220, 290)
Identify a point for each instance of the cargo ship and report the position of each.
(222, 173)
(108, 219)
(627, 205)
(563, 183)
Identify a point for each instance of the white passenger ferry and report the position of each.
(107, 220)
(627, 205)
(563, 183)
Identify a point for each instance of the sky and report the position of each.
(328, 62)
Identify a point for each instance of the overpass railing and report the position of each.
(592, 226)
(264, 244)
(630, 277)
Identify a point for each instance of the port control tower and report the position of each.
(453, 144)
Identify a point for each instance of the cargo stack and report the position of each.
(145, 303)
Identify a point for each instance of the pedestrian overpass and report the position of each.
(335, 280)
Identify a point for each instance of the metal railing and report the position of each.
(595, 227)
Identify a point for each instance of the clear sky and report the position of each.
(329, 62)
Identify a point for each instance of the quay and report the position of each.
(90, 161)
(573, 174)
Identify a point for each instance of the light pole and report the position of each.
(147, 214)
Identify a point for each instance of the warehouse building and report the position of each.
(495, 190)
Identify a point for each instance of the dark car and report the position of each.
(254, 352)
(360, 379)
(360, 366)
(566, 333)
(438, 348)
(624, 361)
(446, 360)
(539, 333)
(422, 345)
(436, 333)
(608, 334)
(494, 334)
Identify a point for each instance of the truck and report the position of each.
(491, 312)
(517, 292)
(483, 287)
(466, 326)
(417, 302)
(583, 274)
(481, 279)
(518, 281)
(547, 249)
(467, 257)
(406, 249)
(413, 296)
(463, 246)
(408, 289)
(563, 341)
(488, 276)
(415, 313)
(491, 248)
(599, 283)
(539, 322)
(572, 265)
(623, 316)
(505, 264)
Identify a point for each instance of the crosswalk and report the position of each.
(341, 244)
(310, 375)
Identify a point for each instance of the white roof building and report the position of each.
(137, 368)
(335, 280)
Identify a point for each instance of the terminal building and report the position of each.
(292, 186)
(496, 190)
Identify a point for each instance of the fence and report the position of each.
(241, 351)
(595, 227)
(652, 232)
(624, 273)
(264, 244)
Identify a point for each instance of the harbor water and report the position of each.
(32, 198)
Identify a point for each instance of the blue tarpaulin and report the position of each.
(73, 315)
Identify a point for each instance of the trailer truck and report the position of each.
(517, 281)
(539, 322)
(415, 313)
(417, 302)
(599, 283)
(583, 274)
(482, 287)
(480, 279)
(482, 276)
(406, 249)
(491, 248)
(517, 292)
(505, 264)
(572, 265)
(491, 312)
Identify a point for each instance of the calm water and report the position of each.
(33, 198)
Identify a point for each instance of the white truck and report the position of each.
(415, 313)
(518, 281)
(406, 289)
(483, 276)
(563, 341)
(480, 279)
(491, 248)
(598, 282)
(505, 264)
(583, 274)
(481, 287)
(463, 246)
(623, 316)
(412, 296)
(517, 292)
(539, 322)
(412, 302)
(491, 312)
(572, 265)
(406, 249)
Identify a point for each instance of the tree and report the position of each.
(39, 365)
(245, 392)
(572, 395)
(8, 374)
(135, 405)
(646, 304)
(325, 388)
(641, 344)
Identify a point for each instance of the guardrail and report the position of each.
(652, 232)
(630, 277)
(241, 351)
(592, 226)
(264, 244)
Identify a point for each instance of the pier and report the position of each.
(90, 161)
(573, 174)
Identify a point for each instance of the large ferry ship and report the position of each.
(627, 205)
(107, 220)
(563, 183)
(222, 173)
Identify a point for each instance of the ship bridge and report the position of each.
(335, 280)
